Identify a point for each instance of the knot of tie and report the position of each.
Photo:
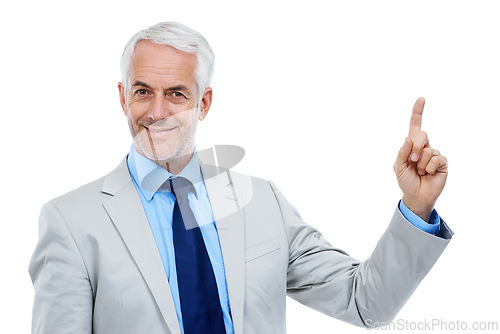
(180, 187)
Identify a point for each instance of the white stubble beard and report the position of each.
(146, 145)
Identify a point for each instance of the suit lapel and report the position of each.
(126, 211)
(229, 219)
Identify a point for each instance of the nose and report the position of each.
(159, 108)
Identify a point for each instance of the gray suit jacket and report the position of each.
(96, 268)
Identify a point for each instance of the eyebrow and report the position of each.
(180, 88)
(140, 83)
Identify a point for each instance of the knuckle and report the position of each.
(439, 161)
(431, 169)
(439, 158)
(425, 139)
(420, 141)
(428, 151)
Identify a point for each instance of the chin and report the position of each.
(159, 154)
(163, 150)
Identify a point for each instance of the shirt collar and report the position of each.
(150, 177)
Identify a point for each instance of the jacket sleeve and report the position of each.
(365, 293)
(63, 295)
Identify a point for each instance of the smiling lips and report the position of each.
(159, 132)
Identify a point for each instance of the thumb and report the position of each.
(403, 155)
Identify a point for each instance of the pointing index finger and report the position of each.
(416, 116)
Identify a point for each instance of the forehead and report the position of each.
(151, 59)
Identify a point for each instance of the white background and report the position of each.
(319, 93)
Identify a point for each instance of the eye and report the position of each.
(177, 94)
(176, 97)
(141, 92)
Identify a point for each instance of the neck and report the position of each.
(175, 166)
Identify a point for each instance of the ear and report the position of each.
(206, 102)
(121, 89)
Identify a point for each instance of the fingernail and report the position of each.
(414, 157)
(421, 173)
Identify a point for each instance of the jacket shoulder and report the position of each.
(81, 194)
(95, 192)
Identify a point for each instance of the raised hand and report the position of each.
(421, 170)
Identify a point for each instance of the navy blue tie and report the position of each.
(199, 297)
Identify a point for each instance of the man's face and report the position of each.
(161, 102)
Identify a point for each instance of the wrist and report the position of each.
(424, 211)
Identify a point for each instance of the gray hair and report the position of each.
(180, 37)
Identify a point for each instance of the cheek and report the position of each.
(131, 118)
(132, 102)
(182, 111)
(136, 108)
(190, 104)
(135, 113)
(191, 120)
(134, 131)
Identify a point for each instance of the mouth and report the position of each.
(159, 132)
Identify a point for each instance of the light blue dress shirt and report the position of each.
(432, 227)
(158, 204)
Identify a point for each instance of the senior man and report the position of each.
(167, 243)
